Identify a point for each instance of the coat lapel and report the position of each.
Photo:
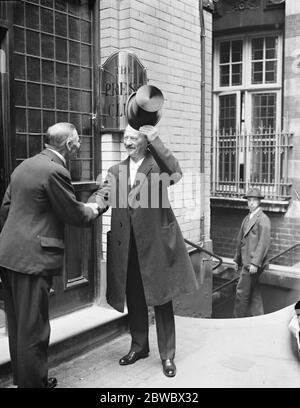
(252, 222)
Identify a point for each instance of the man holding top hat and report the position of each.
(147, 260)
(253, 243)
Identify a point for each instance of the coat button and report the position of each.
(119, 242)
(121, 225)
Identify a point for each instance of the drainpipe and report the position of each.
(202, 124)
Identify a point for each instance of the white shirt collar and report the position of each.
(133, 168)
(254, 212)
(58, 155)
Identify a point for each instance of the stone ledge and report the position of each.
(68, 327)
(278, 206)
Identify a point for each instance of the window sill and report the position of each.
(278, 206)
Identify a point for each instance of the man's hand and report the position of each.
(235, 266)
(253, 269)
(94, 207)
(149, 131)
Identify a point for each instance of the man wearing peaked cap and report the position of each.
(253, 243)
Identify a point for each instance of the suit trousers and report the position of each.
(248, 299)
(138, 313)
(26, 299)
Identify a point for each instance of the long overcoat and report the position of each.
(253, 240)
(165, 265)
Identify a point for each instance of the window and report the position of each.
(53, 75)
(249, 147)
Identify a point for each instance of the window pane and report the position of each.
(86, 125)
(257, 48)
(35, 144)
(86, 78)
(48, 119)
(85, 32)
(61, 74)
(75, 100)
(61, 24)
(227, 114)
(21, 146)
(86, 147)
(74, 28)
(74, 7)
(47, 3)
(257, 72)
(47, 20)
(48, 96)
(86, 55)
(19, 13)
(271, 69)
(19, 66)
(75, 118)
(48, 71)
(33, 95)
(32, 42)
(34, 120)
(224, 75)
(63, 117)
(74, 76)
(86, 101)
(74, 52)
(61, 5)
(236, 74)
(237, 52)
(61, 49)
(20, 120)
(20, 93)
(47, 46)
(33, 69)
(62, 98)
(19, 39)
(264, 111)
(225, 52)
(32, 16)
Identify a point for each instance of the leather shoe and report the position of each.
(52, 382)
(132, 357)
(169, 368)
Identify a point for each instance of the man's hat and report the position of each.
(143, 107)
(254, 192)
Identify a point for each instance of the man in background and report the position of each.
(253, 243)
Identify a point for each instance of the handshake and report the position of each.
(94, 207)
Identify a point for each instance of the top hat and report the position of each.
(255, 193)
(143, 107)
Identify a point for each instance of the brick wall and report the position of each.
(166, 38)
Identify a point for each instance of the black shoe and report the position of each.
(169, 368)
(132, 357)
(52, 382)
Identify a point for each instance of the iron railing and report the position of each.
(211, 254)
(260, 159)
(271, 259)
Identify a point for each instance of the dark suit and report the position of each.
(38, 202)
(147, 260)
(253, 243)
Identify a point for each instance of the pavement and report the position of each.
(256, 352)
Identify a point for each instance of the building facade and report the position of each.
(54, 56)
(256, 124)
